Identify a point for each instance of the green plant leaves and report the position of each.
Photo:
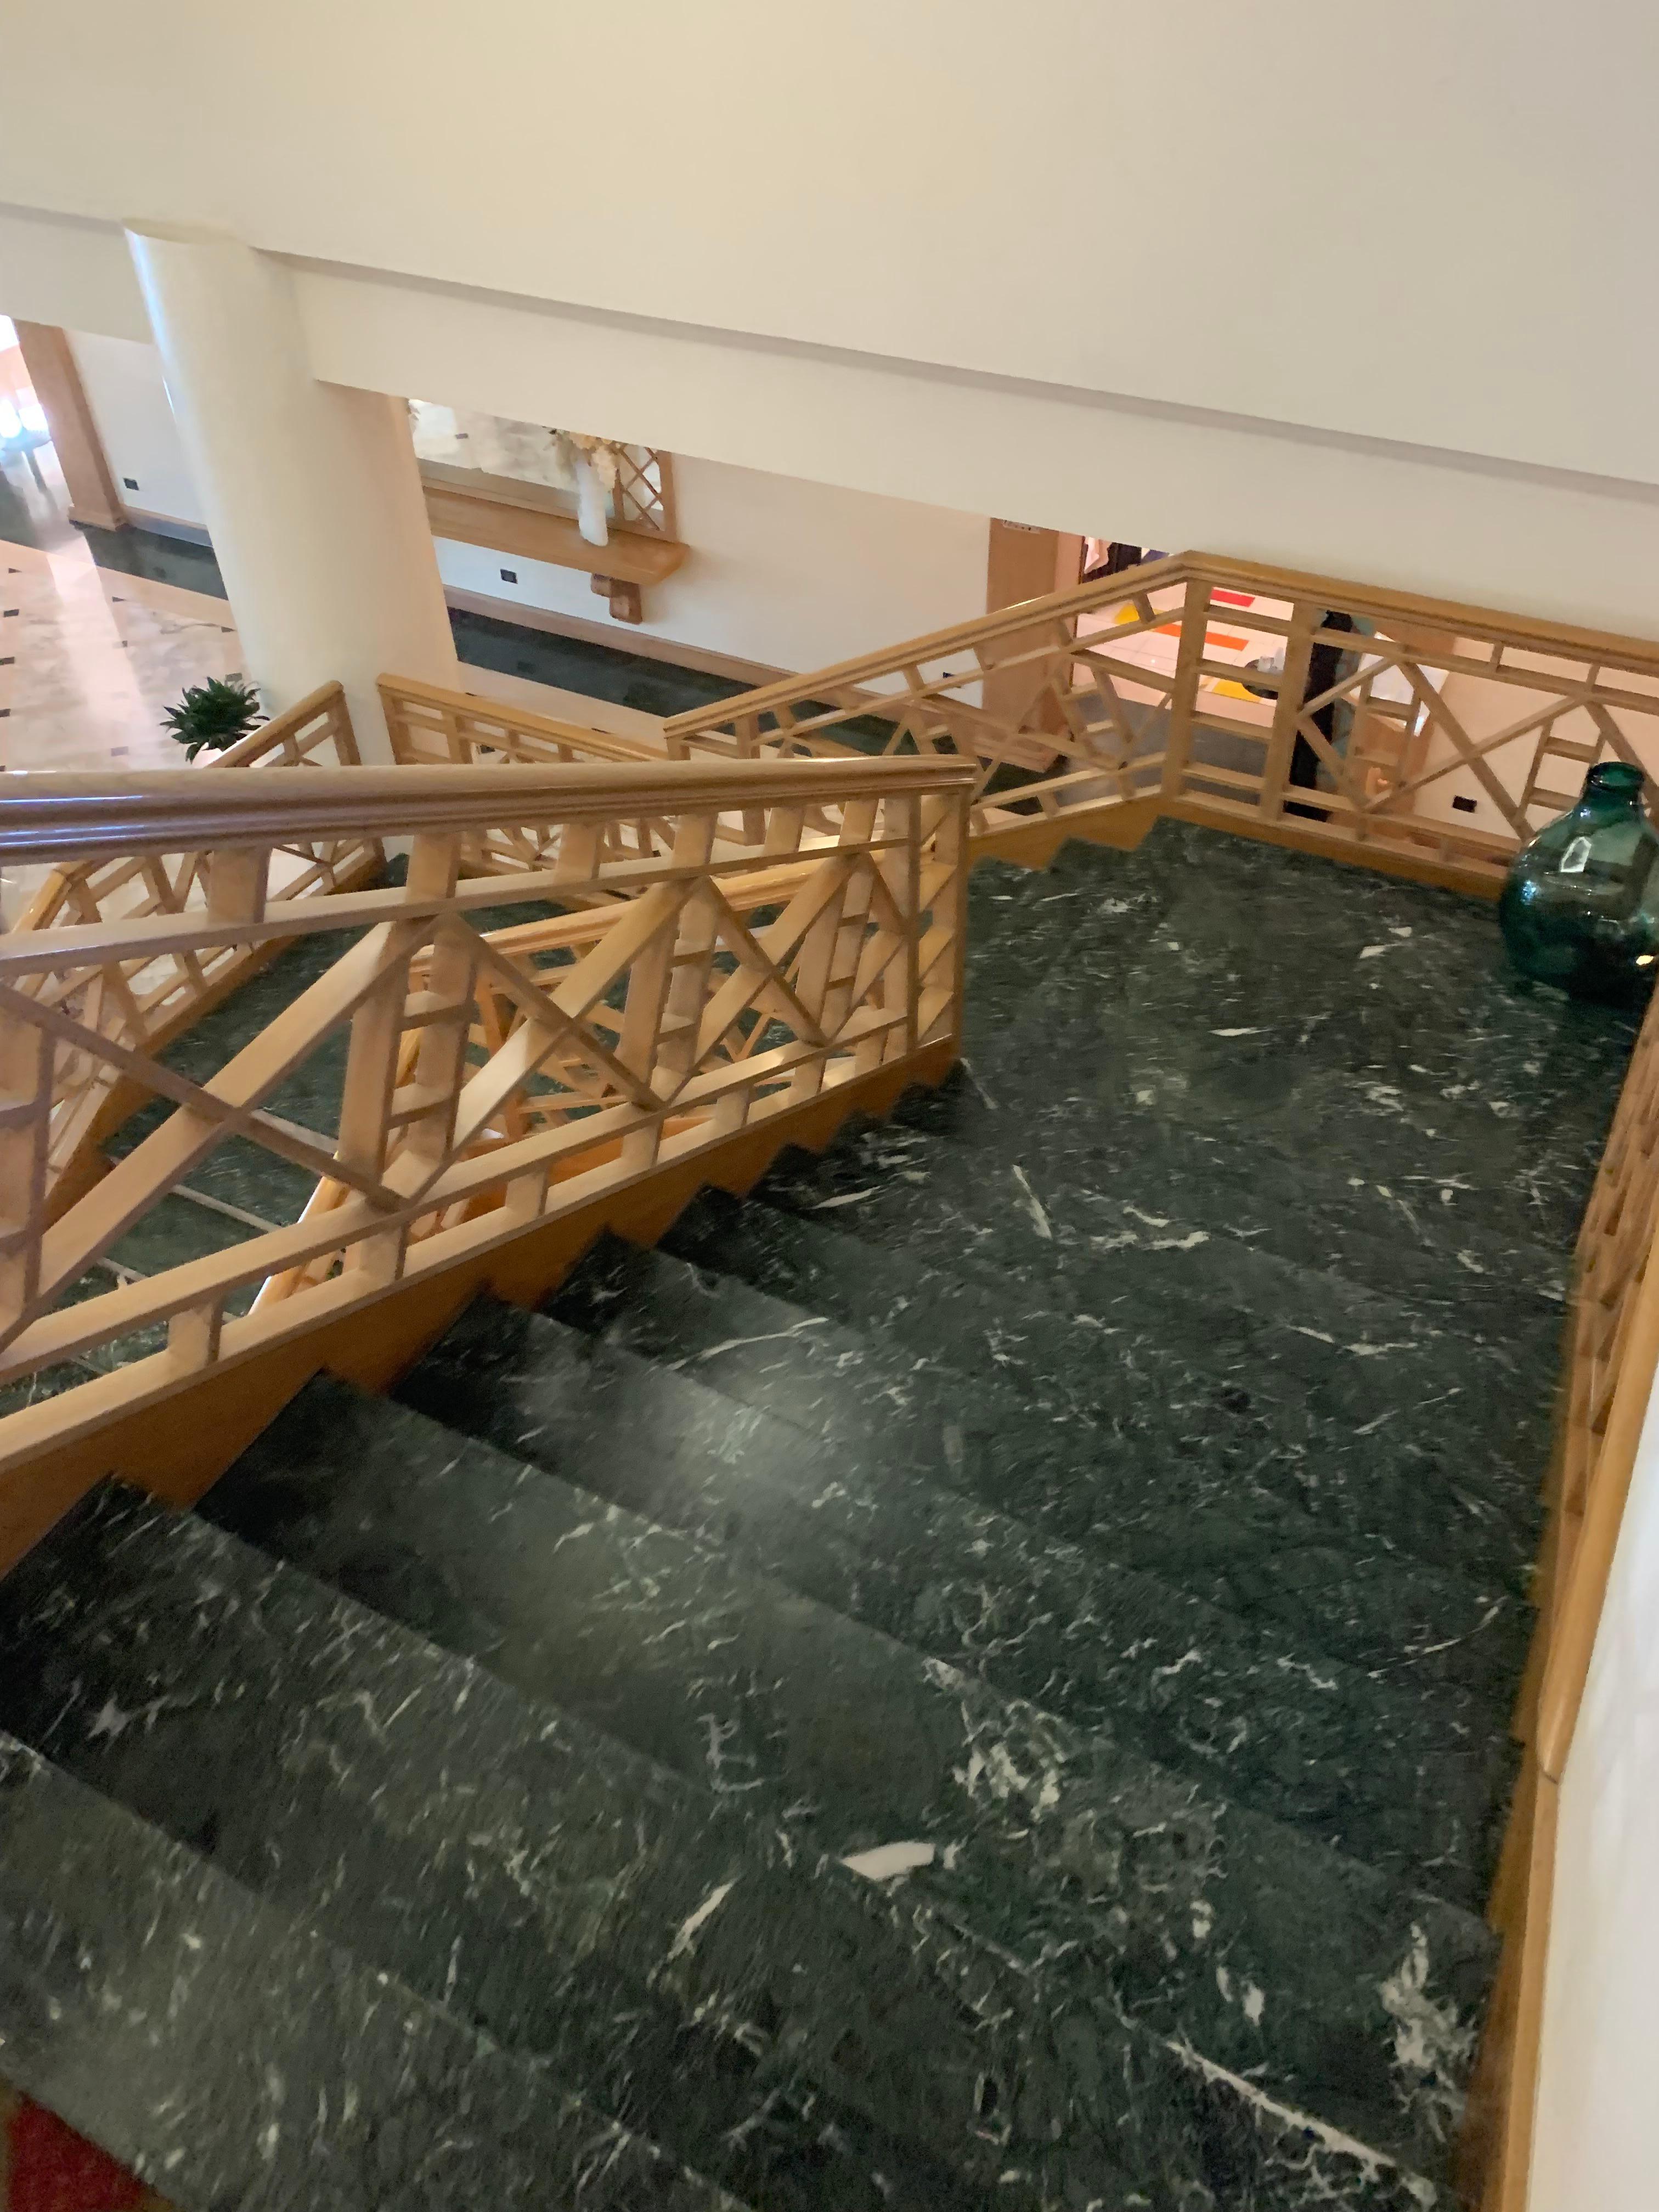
(213, 715)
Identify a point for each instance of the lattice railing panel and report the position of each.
(138, 1000)
(656, 1000)
(1343, 717)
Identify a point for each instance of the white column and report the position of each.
(311, 490)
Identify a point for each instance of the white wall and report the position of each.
(790, 574)
(1597, 2143)
(1576, 547)
(123, 383)
(1419, 222)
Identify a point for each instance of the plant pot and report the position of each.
(1580, 907)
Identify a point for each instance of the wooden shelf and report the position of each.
(478, 518)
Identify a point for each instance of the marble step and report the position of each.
(1139, 1177)
(1098, 1876)
(1209, 1426)
(1030, 1217)
(532, 1877)
(1337, 1018)
(872, 1393)
(1315, 1346)
(1410, 1779)
(222, 2048)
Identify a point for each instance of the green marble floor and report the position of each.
(977, 1676)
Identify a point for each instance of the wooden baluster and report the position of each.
(826, 964)
(901, 872)
(440, 1059)
(1287, 710)
(373, 1061)
(749, 748)
(1183, 697)
(945, 828)
(236, 882)
(580, 853)
(25, 1080)
(193, 1334)
(784, 828)
(671, 978)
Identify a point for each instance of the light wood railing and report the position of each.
(1612, 1358)
(143, 1000)
(1435, 738)
(773, 918)
(1417, 736)
(428, 726)
(653, 1006)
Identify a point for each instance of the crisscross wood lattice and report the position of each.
(652, 1002)
(1408, 732)
(141, 1000)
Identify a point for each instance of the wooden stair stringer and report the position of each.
(178, 1443)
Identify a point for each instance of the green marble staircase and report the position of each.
(977, 1675)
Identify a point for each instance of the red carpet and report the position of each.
(45, 2166)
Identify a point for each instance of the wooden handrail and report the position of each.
(271, 737)
(458, 726)
(144, 1000)
(284, 737)
(1573, 1629)
(1611, 649)
(1420, 735)
(697, 992)
(1457, 617)
(1006, 621)
(70, 815)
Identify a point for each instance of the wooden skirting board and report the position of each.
(1119, 825)
(179, 1446)
(1374, 854)
(1122, 824)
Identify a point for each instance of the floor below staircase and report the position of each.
(976, 1675)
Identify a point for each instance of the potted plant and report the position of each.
(212, 716)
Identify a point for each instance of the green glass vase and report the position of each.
(1580, 907)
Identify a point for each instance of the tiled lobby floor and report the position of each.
(98, 635)
(89, 657)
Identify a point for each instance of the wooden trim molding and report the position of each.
(53, 371)
(509, 525)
